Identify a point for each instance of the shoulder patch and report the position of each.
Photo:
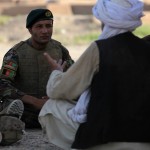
(11, 54)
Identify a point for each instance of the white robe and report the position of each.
(59, 128)
(62, 88)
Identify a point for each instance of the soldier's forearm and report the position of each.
(8, 90)
(35, 102)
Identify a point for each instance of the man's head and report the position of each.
(118, 16)
(40, 25)
(38, 15)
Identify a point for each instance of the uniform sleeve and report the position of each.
(66, 57)
(69, 85)
(9, 65)
(8, 73)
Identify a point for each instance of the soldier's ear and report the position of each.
(30, 30)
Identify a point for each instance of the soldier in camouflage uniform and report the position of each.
(25, 72)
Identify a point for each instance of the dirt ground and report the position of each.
(32, 140)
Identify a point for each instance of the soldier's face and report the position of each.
(41, 31)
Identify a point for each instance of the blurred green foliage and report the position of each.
(87, 38)
(81, 38)
(4, 19)
(142, 31)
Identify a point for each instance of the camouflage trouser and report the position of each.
(30, 117)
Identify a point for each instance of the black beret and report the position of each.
(37, 15)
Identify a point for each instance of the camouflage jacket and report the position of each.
(10, 71)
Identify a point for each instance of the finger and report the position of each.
(49, 58)
(64, 65)
(60, 61)
(55, 61)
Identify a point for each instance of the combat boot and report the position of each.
(11, 107)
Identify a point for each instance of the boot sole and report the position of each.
(16, 107)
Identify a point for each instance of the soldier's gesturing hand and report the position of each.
(53, 64)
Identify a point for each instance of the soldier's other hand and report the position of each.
(55, 65)
(39, 103)
(45, 97)
(35, 102)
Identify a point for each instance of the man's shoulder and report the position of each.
(18, 45)
(55, 42)
(147, 38)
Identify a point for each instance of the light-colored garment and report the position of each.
(118, 16)
(79, 112)
(77, 78)
(62, 88)
(59, 128)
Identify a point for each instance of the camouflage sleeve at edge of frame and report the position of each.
(66, 57)
(9, 65)
(7, 75)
